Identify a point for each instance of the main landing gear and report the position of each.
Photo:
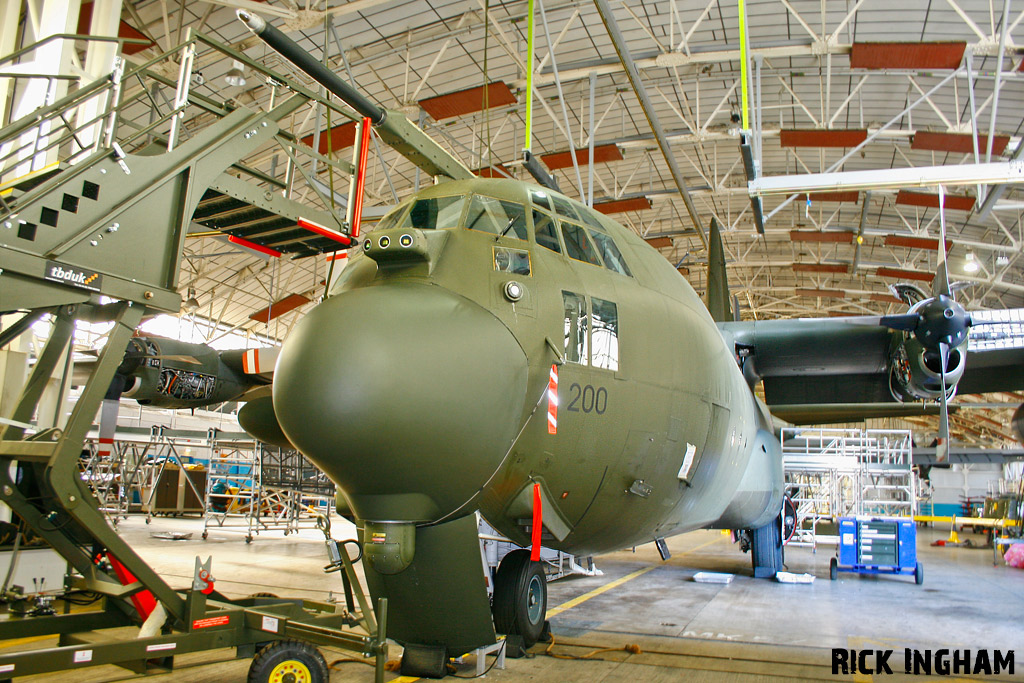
(520, 601)
(766, 545)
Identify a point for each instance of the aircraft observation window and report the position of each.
(605, 331)
(435, 213)
(497, 217)
(578, 245)
(509, 260)
(610, 253)
(575, 328)
(541, 199)
(544, 229)
(564, 208)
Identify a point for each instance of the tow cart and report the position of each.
(877, 545)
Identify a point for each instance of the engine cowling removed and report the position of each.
(915, 371)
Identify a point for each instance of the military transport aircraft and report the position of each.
(500, 348)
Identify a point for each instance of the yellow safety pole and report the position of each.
(529, 74)
(743, 64)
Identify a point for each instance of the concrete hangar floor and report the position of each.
(749, 630)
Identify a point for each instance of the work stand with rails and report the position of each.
(101, 240)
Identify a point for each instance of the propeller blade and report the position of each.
(942, 445)
(940, 285)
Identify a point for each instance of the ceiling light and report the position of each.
(971, 266)
(236, 76)
(191, 304)
(1002, 260)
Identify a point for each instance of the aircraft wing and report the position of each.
(818, 370)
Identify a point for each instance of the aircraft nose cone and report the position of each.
(406, 395)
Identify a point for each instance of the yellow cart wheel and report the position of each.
(288, 661)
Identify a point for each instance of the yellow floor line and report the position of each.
(22, 641)
(616, 583)
(592, 594)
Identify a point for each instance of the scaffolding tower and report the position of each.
(832, 473)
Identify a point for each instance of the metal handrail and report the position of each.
(142, 73)
(73, 36)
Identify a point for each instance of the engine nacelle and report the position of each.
(1017, 423)
(167, 373)
(915, 370)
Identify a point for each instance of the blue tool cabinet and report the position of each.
(877, 545)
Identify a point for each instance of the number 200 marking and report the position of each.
(591, 399)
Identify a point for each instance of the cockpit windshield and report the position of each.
(435, 213)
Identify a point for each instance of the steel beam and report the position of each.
(891, 178)
(605, 10)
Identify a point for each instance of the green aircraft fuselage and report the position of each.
(420, 385)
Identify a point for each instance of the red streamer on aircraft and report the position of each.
(537, 522)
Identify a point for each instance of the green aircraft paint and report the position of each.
(420, 384)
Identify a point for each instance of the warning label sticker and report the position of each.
(222, 620)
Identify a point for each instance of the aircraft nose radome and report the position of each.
(406, 395)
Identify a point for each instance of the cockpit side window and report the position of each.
(575, 307)
(435, 213)
(578, 245)
(605, 332)
(610, 253)
(541, 199)
(564, 208)
(390, 220)
(497, 217)
(590, 217)
(544, 229)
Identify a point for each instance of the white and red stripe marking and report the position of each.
(553, 400)
(324, 231)
(258, 361)
(337, 256)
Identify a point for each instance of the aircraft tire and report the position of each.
(766, 549)
(520, 597)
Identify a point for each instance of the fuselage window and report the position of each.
(610, 253)
(544, 229)
(516, 261)
(497, 217)
(578, 245)
(575, 328)
(605, 333)
(435, 213)
(541, 199)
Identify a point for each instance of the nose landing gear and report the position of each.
(520, 601)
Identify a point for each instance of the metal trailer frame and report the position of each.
(39, 467)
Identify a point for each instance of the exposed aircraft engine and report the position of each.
(915, 371)
(174, 374)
